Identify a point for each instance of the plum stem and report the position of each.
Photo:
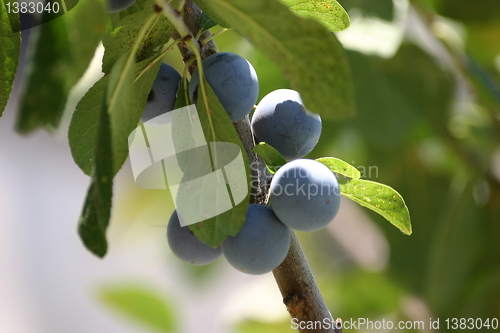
(156, 59)
(218, 33)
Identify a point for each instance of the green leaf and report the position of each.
(142, 305)
(182, 98)
(122, 36)
(10, 46)
(124, 99)
(206, 23)
(103, 141)
(273, 159)
(308, 54)
(380, 198)
(124, 117)
(96, 212)
(207, 9)
(83, 126)
(340, 167)
(63, 49)
(217, 127)
(103, 148)
(328, 12)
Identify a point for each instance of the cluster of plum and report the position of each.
(304, 194)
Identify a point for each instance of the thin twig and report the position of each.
(218, 33)
(155, 60)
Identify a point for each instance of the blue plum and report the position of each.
(186, 246)
(305, 195)
(161, 98)
(234, 81)
(261, 245)
(119, 5)
(282, 121)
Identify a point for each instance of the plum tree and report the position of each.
(186, 246)
(282, 121)
(261, 245)
(119, 5)
(162, 96)
(305, 195)
(233, 80)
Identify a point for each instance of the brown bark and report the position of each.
(300, 292)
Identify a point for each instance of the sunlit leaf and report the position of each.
(380, 198)
(340, 167)
(328, 12)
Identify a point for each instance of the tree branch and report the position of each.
(294, 278)
(300, 292)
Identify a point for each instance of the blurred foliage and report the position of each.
(397, 95)
(63, 49)
(142, 305)
(364, 294)
(383, 9)
(251, 326)
(481, 11)
(9, 52)
(481, 20)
